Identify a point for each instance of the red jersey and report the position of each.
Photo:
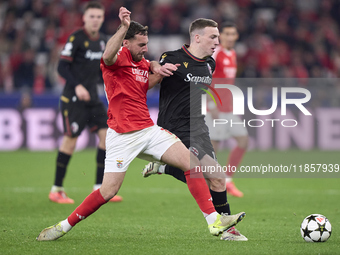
(126, 84)
(226, 67)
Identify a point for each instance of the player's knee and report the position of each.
(217, 185)
(68, 144)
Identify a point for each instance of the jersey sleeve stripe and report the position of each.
(66, 58)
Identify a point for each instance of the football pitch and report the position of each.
(158, 214)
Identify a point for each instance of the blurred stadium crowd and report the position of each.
(278, 39)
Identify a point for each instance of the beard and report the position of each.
(137, 57)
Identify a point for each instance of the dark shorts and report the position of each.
(77, 115)
(199, 145)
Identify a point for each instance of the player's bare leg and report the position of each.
(111, 184)
(213, 173)
(68, 144)
(101, 162)
(102, 136)
(216, 145)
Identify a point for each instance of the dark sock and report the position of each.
(62, 162)
(220, 202)
(100, 165)
(175, 172)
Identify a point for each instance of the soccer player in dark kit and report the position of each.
(180, 108)
(80, 105)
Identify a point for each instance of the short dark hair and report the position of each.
(227, 24)
(201, 23)
(135, 28)
(93, 5)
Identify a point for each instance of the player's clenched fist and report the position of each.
(124, 16)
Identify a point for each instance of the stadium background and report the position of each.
(278, 39)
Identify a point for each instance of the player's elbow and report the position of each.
(108, 58)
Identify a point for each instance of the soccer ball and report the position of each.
(316, 228)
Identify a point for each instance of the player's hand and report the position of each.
(167, 69)
(124, 16)
(82, 93)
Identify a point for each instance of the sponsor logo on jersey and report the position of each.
(198, 79)
(141, 75)
(185, 64)
(140, 72)
(86, 44)
(71, 38)
(93, 54)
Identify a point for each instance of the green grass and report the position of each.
(158, 214)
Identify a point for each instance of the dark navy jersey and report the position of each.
(180, 94)
(84, 54)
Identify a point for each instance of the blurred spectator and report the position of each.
(24, 75)
(291, 38)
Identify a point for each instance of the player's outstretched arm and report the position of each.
(154, 79)
(159, 72)
(115, 42)
(164, 70)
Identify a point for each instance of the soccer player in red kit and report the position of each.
(132, 133)
(226, 67)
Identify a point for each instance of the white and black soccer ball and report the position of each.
(316, 228)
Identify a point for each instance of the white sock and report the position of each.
(66, 226)
(211, 218)
(96, 186)
(161, 169)
(57, 188)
